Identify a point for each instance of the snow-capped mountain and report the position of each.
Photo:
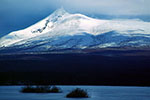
(62, 30)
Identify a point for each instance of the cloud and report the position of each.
(111, 7)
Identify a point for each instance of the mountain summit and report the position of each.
(62, 30)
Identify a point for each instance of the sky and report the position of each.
(19, 14)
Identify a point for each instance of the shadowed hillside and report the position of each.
(87, 69)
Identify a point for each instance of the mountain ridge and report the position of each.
(62, 30)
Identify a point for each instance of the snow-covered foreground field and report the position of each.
(96, 93)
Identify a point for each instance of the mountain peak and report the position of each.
(60, 12)
(62, 30)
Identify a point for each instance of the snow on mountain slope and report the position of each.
(39, 28)
(62, 30)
